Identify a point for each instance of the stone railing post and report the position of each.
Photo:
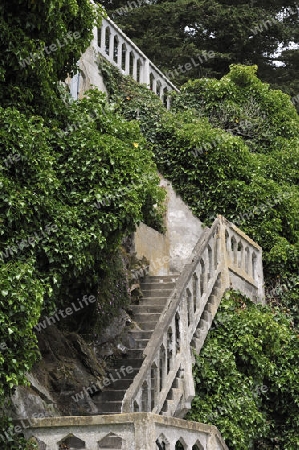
(225, 283)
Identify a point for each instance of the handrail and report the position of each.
(137, 49)
(119, 50)
(223, 257)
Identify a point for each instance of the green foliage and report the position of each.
(21, 298)
(246, 376)
(178, 32)
(114, 292)
(67, 198)
(28, 30)
(231, 147)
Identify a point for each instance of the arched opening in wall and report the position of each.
(210, 258)
(254, 260)
(189, 306)
(132, 59)
(152, 79)
(123, 56)
(115, 49)
(202, 276)
(165, 96)
(197, 446)
(71, 442)
(169, 349)
(162, 366)
(177, 333)
(158, 88)
(180, 444)
(139, 66)
(135, 406)
(111, 441)
(154, 385)
(107, 40)
(144, 397)
(40, 445)
(162, 443)
(195, 290)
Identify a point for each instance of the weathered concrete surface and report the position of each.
(89, 77)
(155, 247)
(170, 252)
(138, 431)
(183, 229)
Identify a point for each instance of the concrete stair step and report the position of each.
(111, 407)
(112, 395)
(161, 286)
(140, 344)
(126, 362)
(116, 374)
(140, 334)
(163, 278)
(146, 317)
(147, 326)
(124, 383)
(135, 353)
(154, 301)
(156, 292)
(147, 309)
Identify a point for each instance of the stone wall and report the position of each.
(135, 431)
(170, 252)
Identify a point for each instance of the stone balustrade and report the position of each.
(137, 431)
(223, 258)
(120, 51)
(244, 261)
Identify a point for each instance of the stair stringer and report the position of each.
(187, 318)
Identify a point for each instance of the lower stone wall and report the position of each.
(134, 431)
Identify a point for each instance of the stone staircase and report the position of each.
(156, 291)
(143, 408)
(174, 317)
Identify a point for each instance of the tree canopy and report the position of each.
(173, 33)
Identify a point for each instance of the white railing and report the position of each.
(140, 431)
(120, 51)
(223, 258)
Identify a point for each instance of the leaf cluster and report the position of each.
(247, 377)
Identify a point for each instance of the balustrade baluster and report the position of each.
(234, 251)
(210, 261)
(188, 296)
(120, 52)
(250, 262)
(103, 42)
(135, 60)
(111, 44)
(242, 257)
(127, 69)
(206, 272)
